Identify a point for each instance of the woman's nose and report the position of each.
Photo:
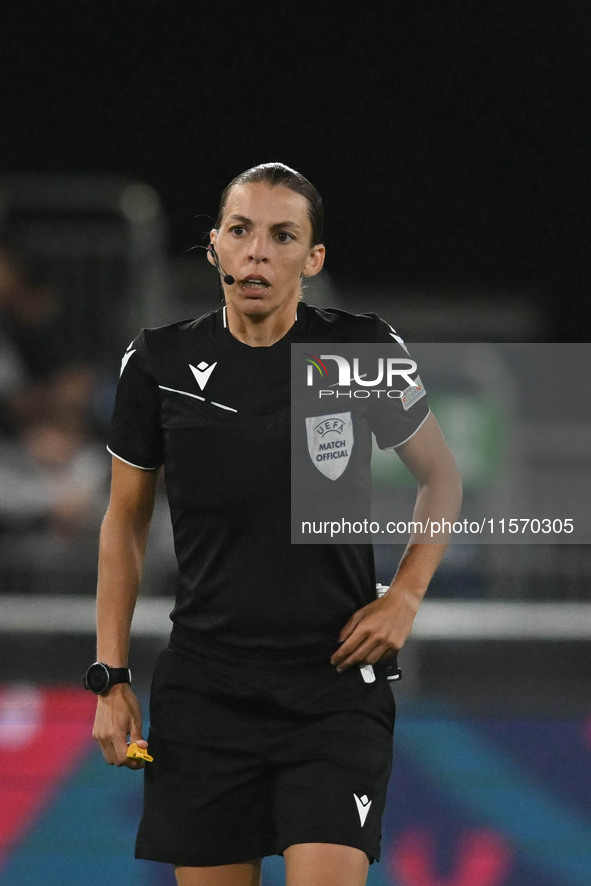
(257, 251)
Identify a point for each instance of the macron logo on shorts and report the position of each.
(363, 806)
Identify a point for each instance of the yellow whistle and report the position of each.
(136, 753)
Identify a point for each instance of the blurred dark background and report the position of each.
(450, 140)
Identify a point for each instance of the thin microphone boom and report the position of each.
(227, 278)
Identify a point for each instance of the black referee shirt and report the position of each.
(216, 413)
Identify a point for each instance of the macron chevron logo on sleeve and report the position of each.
(126, 357)
(397, 338)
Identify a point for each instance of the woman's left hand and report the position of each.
(376, 631)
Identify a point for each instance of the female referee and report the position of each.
(271, 718)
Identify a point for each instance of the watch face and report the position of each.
(97, 677)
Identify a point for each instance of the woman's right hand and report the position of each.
(118, 716)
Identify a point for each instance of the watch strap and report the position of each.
(119, 675)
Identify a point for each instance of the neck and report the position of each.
(260, 332)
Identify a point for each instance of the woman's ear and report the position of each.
(212, 238)
(315, 261)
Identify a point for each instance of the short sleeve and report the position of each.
(394, 420)
(136, 432)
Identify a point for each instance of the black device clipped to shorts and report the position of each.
(393, 672)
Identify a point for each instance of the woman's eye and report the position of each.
(284, 237)
(237, 229)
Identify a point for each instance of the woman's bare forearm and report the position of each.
(122, 548)
(121, 556)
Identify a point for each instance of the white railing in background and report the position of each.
(436, 620)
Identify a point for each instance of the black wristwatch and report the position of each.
(99, 677)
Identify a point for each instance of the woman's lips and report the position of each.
(254, 285)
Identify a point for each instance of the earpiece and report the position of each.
(227, 278)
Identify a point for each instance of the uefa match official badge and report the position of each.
(330, 442)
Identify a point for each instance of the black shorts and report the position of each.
(253, 756)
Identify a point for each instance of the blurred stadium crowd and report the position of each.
(53, 412)
(56, 398)
(69, 259)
